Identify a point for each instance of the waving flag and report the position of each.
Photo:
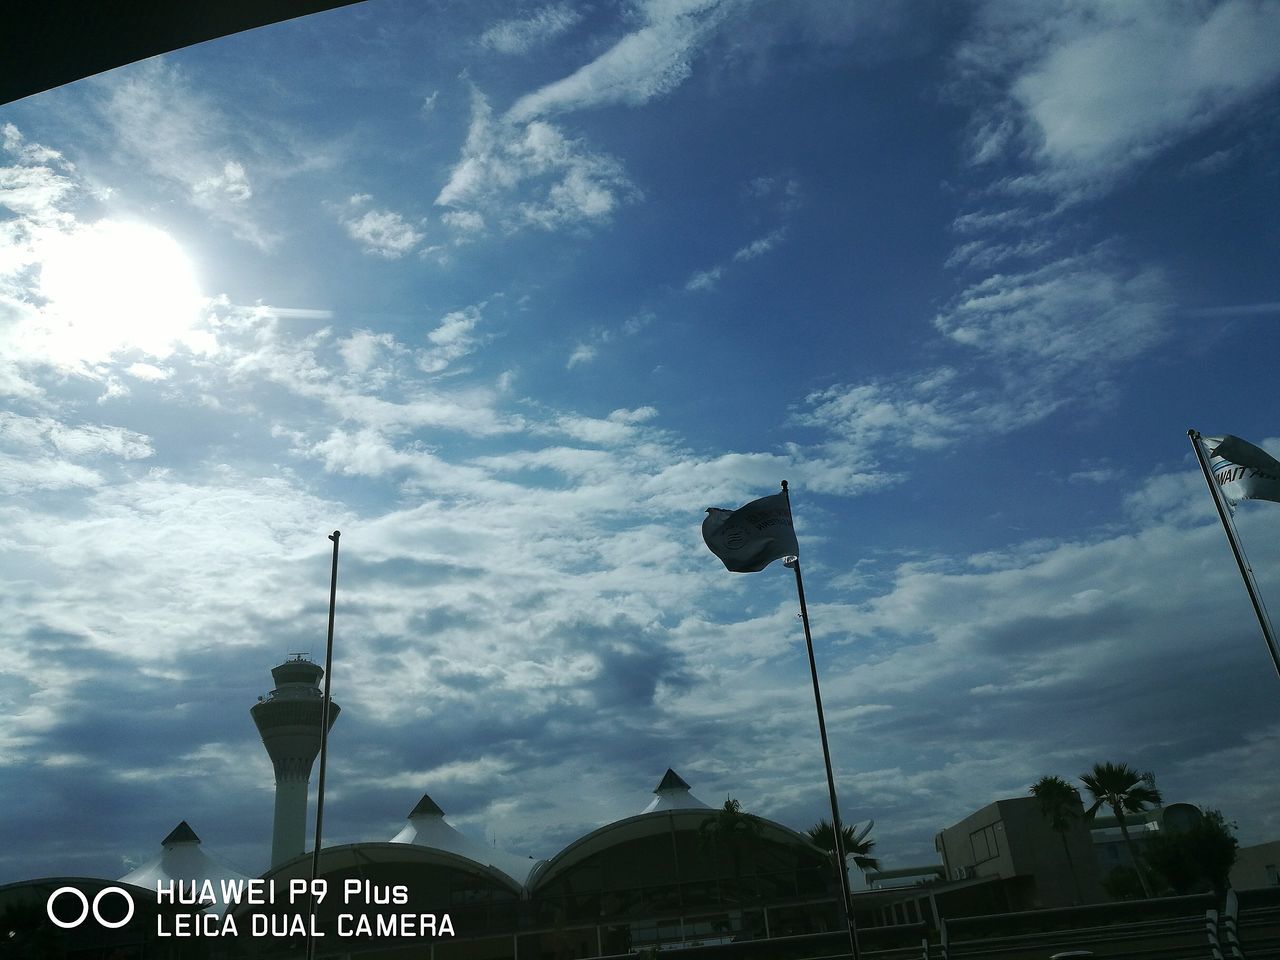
(1243, 471)
(752, 537)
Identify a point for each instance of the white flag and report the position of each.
(1243, 471)
(752, 537)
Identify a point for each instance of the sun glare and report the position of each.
(115, 286)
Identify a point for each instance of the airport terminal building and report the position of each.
(675, 873)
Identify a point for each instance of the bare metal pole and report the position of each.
(324, 748)
(837, 829)
(1246, 573)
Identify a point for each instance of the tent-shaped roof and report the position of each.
(427, 828)
(673, 794)
(181, 859)
(646, 825)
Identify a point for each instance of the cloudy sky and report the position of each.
(509, 294)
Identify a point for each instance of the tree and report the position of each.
(823, 835)
(1197, 859)
(1061, 805)
(731, 829)
(1123, 883)
(1124, 790)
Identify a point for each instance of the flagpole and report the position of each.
(842, 864)
(324, 747)
(1233, 538)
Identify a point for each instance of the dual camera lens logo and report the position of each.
(86, 907)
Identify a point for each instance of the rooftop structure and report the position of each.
(427, 828)
(673, 794)
(181, 860)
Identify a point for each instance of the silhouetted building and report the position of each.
(678, 873)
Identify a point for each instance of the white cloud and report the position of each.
(230, 185)
(451, 340)
(19, 474)
(1125, 84)
(147, 371)
(922, 414)
(784, 193)
(41, 183)
(84, 441)
(883, 420)
(1084, 309)
(589, 348)
(38, 453)
(31, 154)
(637, 415)
(1095, 88)
(985, 254)
(520, 35)
(161, 122)
(704, 279)
(707, 279)
(582, 353)
(647, 63)
(758, 248)
(385, 397)
(464, 221)
(529, 174)
(383, 233)
(1099, 475)
(364, 348)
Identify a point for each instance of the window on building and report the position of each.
(984, 844)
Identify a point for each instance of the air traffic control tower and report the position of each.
(289, 722)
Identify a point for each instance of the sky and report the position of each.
(509, 294)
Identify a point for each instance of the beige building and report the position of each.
(1011, 840)
(1257, 866)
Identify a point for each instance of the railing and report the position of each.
(1183, 938)
(1251, 925)
(812, 946)
(1174, 928)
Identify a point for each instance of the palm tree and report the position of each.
(1060, 804)
(1124, 790)
(731, 829)
(823, 835)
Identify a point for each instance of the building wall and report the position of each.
(1012, 840)
(1257, 866)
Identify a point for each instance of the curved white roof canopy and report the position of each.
(427, 828)
(649, 825)
(371, 856)
(672, 807)
(183, 860)
(673, 794)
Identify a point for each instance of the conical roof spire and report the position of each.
(427, 827)
(673, 794)
(183, 860)
(182, 833)
(426, 807)
(671, 781)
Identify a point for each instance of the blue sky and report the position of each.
(509, 294)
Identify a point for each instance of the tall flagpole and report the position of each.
(842, 864)
(324, 747)
(1233, 538)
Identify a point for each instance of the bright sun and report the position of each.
(115, 286)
